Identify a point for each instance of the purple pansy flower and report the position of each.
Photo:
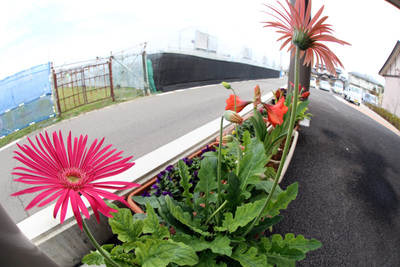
(167, 193)
(146, 194)
(170, 168)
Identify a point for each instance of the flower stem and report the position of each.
(237, 135)
(219, 164)
(288, 139)
(216, 211)
(238, 156)
(97, 246)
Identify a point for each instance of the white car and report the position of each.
(353, 94)
(324, 85)
(338, 88)
(371, 99)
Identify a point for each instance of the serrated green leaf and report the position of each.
(185, 177)
(185, 218)
(252, 164)
(283, 200)
(248, 256)
(244, 214)
(122, 224)
(207, 181)
(162, 252)
(93, 258)
(298, 242)
(266, 186)
(196, 243)
(221, 245)
(151, 225)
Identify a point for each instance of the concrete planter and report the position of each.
(289, 156)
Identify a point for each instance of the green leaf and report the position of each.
(259, 125)
(249, 257)
(163, 252)
(263, 225)
(122, 224)
(283, 200)
(298, 242)
(266, 185)
(253, 164)
(185, 177)
(280, 255)
(207, 259)
(152, 224)
(244, 214)
(220, 245)
(246, 138)
(234, 195)
(185, 218)
(301, 107)
(196, 243)
(93, 258)
(207, 181)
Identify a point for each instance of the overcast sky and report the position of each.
(40, 31)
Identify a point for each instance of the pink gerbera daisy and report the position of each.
(67, 173)
(299, 30)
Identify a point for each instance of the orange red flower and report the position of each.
(240, 104)
(276, 112)
(298, 29)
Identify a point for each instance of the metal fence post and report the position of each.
(111, 79)
(145, 73)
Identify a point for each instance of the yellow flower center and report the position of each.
(74, 178)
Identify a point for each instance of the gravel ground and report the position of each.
(348, 170)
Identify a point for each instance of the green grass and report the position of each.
(121, 95)
(391, 118)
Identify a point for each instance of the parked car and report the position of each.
(324, 85)
(338, 88)
(353, 94)
(371, 99)
(313, 82)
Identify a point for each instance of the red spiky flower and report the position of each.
(67, 173)
(299, 30)
(276, 112)
(240, 104)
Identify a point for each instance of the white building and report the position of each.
(391, 72)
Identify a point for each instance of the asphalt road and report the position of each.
(348, 169)
(136, 127)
